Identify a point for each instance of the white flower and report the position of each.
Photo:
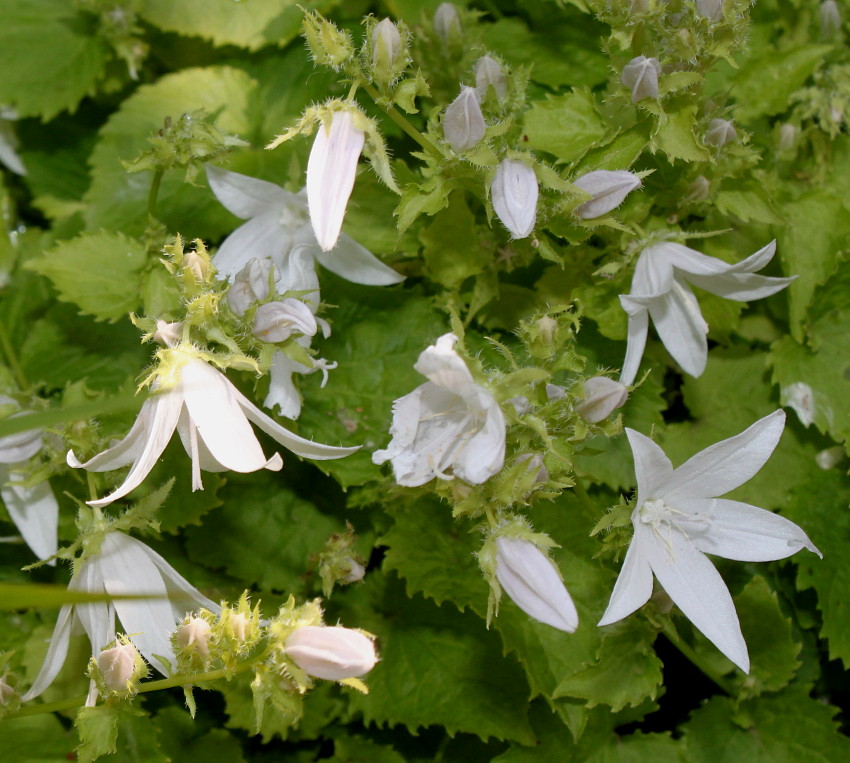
(720, 132)
(118, 666)
(489, 73)
(661, 289)
(386, 44)
(530, 578)
(278, 226)
(514, 193)
(678, 519)
(448, 423)
(212, 417)
(195, 635)
(33, 509)
(333, 653)
(463, 122)
(330, 175)
(277, 321)
(608, 189)
(641, 75)
(122, 566)
(602, 396)
(447, 21)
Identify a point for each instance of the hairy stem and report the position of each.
(393, 113)
(12, 358)
(154, 191)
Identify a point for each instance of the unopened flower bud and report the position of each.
(520, 404)
(720, 132)
(197, 265)
(118, 666)
(330, 175)
(710, 9)
(608, 189)
(168, 334)
(250, 285)
(641, 75)
(332, 653)
(533, 582)
(698, 190)
(463, 122)
(277, 321)
(829, 458)
(602, 396)
(535, 466)
(489, 73)
(547, 326)
(787, 136)
(447, 22)
(514, 193)
(386, 44)
(240, 625)
(830, 20)
(801, 398)
(356, 571)
(195, 634)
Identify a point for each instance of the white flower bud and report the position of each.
(710, 9)
(608, 190)
(720, 132)
(199, 266)
(535, 465)
(830, 19)
(447, 22)
(168, 334)
(117, 666)
(533, 582)
(463, 122)
(514, 193)
(356, 572)
(787, 136)
(488, 73)
(520, 404)
(250, 285)
(386, 44)
(196, 634)
(555, 392)
(602, 396)
(240, 625)
(801, 398)
(332, 653)
(277, 321)
(330, 175)
(641, 75)
(698, 190)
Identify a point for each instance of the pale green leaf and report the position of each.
(565, 126)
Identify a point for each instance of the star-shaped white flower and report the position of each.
(278, 223)
(212, 418)
(678, 519)
(447, 424)
(122, 565)
(661, 288)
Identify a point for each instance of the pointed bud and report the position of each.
(168, 334)
(801, 398)
(356, 571)
(329, 45)
(197, 265)
(332, 653)
(489, 73)
(463, 122)
(240, 626)
(330, 175)
(710, 9)
(535, 466)
(118, 666)
(830, 20)
(533, 582)
(514, 193)
(277, 321)
(555, 392)
(386, 45)
(8, 694)
(787, 136)
(250, 285)
(720, 132)
(608, 190)
(602, 396)
(447, 22)
(641, 75)
(194, 635)
(698, 190)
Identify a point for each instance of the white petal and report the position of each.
(608, 189)
(691, 581)
(681, 328)
(34, 511)
(484, 454)
(282, 392)
(355, 263)
(97, 618)
(463, 122)
(444, 367)
(260, 237)
(727, 464)
(298, 273)
(634, 584)
(20, 446)
(57, 651)
(741, 287)
(736, 530)
(653, 469)
(638, 329)
(514, 193)
(183, 596)
(246, 196)
(654, 271)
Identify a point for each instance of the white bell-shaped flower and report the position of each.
(641, 76)
(331, 652)
(608, 189)
(602, 396)
(463, 122)
(514, 193)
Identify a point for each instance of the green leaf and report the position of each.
(98, 731)
(453, 250)
(675, 136)
(98, 272)
(351, 747)
(51, 56)
(749, 205)
(565, 126)
(619, 154)
(786, 728)
(35, 739)
(182, 738)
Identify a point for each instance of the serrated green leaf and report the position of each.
(619, 154)
(35, 739)
(98, 272)
(182, 738)
(676, 138)
(51, 56)
(452, 247)
(565, 126)
(356, 747)
(749, 205)
(97, 728)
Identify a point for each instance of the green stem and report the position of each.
(12, 359)
(394, 114)
(697, 661)
(154, 191)
(584, 498)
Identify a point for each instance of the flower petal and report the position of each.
(34, 511)
(282, 392)
(736, 530)
(691, 581)
(444, 367)
(634, 584)
(260, 237)
(57, 651)
(653, 469)
(484, 453)
(727, 464)
(355, 263)
(681, 328)
(638, 328)
(246, 196)
(741, 287)
(182, 595)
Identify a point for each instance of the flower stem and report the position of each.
(393, 113)
(12, 359)
(688, 652)
(154, 191)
